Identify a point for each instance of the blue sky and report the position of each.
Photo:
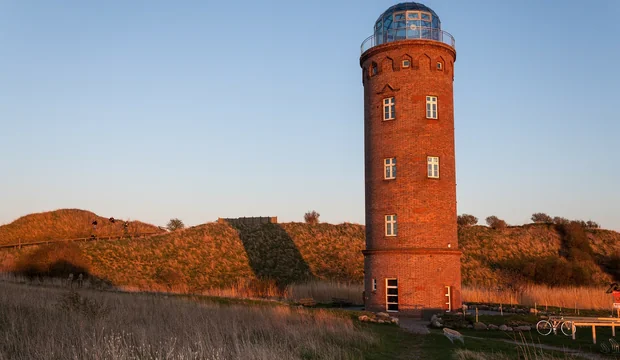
(200, 109)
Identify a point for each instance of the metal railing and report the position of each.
(410, 33)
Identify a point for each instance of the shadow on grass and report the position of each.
(273, 255)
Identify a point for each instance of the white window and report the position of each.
(406, 63)
(389, 110)
(374, 284)
(439, 66)
(433, 167)
(431, 107)
(390, 168)
(391, 295)
(391, 228)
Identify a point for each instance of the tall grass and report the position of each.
(46, 323)
(567, 297)
(325, 291)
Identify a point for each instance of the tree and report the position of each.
(496, 223)
(175, 224)
(312, 217)
(592, 225)
(541, 218)
(558, 220)
(466, 220)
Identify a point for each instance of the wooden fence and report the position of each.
(21, 244)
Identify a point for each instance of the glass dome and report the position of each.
(409, 20)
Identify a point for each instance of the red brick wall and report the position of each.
(425, 208)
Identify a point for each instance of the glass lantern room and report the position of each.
(408, 20)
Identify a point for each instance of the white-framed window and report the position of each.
(431, 107)
(439, 65)
(391, 227)
(389, 166)
(448, 298)
(391, 295)
(374, 284)
(389, 109)
(406, 63)
(433, 166)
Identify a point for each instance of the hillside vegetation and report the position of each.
(65, 224)
(216, 255)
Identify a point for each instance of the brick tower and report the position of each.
(411, 261)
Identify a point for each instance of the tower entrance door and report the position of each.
(391, 293)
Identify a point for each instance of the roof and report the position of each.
(407, 6)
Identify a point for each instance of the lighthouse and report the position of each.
(411, 258)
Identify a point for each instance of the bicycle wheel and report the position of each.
(544, 327)
(567, 328)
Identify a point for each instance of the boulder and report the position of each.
(533, 311)
(381, 321)
(394, 320)
(363, 318)
(508, 328)
(436, 324)
(492, 327)
(523, 328)
(383, 315)
(470, 326)
(503, 328)
(480, 326)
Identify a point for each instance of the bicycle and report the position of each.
(544, 327)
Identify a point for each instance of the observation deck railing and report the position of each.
(410, 33)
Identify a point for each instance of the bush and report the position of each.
(175, 224)
(550, 271)
(592, 225)
(312, 217)
(466, 220)
(560, 220)
(541, 218)
(496, 223)
(575, 241)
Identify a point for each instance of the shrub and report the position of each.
(175, 224)
(496, 223)
(541, 218)
(466, 220)
(575, 242)
(560, 220)
(592, 225)
(550, 270)
(312, 217)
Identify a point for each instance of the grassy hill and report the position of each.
(220, 255)
(65, 224)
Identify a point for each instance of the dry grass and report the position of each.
(566, 297)
(65, 224)
(324, 292)
(45, 323)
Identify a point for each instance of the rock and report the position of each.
(381, 321)
(394, 320)
(383, 315)
(480, 326)
(436, 324)
(523, 328)
(492, 327)
(508, 328)
(503, 328)
(533, 311)
(470, 326)
(363, 318)
(465, 307)
(434, 318)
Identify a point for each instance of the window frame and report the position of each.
(403, 63)
(433, 172)
(387, 295)
(374, 285)
(389, 108)
(439, 66)
(393, 221)
(389, 163)
(432, 100)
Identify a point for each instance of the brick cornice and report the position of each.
(404, 43)
(413, 251)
